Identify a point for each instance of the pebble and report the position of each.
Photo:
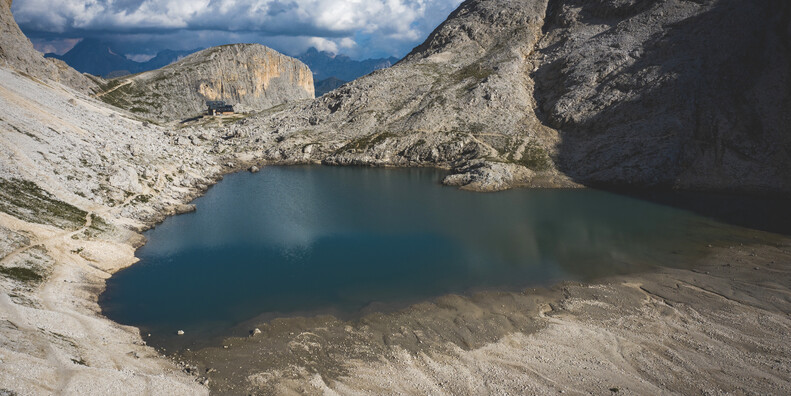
(180, 332)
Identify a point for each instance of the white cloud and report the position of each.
(384, 25)
(323, 44)
(140, 57)
(57, 46)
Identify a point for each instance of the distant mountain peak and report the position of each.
(326, 65)
(95, 56)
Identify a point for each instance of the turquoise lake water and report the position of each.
(305, 240)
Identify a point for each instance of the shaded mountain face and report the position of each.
(96, 57)
(249, 76)
(664, 93)
(672, 93)
(328, 85)
(326, 65)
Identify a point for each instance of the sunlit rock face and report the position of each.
(250, 76)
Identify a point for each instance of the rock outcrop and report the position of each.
(17, 53)
(250, 76)
(670, 93)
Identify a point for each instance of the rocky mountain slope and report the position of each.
(250, 76)
(17, 52)
(78, 178)
(668, 93)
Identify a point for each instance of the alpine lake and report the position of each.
(347, 241)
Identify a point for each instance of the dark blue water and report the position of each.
(296, 240)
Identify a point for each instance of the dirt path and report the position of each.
(44, 242)
(125, 83)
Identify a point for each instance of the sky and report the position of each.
(139, 28)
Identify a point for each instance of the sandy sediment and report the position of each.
(719, 328)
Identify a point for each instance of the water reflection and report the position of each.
(308, 239)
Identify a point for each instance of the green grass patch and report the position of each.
(364, 143)
(98, 226)
(475, 71)
(26, 201)
(535, 157)
(142, 199)
(20, 274)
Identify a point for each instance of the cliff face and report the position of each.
(17, 53)
(675, 93)
(250, 76)
(686, 94)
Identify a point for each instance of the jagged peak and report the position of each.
(477, 25)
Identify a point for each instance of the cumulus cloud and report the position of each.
(364, 27)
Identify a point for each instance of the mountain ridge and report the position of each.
(570, 92)
(326, 64)
(96, 57)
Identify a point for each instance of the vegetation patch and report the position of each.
(535, 157)
(475, 71)
(30, 266)
(98, 226)
(21, 274)
(364, 143)
(120, 95)
(26, 201)
(145, 198)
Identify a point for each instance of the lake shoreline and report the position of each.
(628, 332)
(71, 294)
(300, 241)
